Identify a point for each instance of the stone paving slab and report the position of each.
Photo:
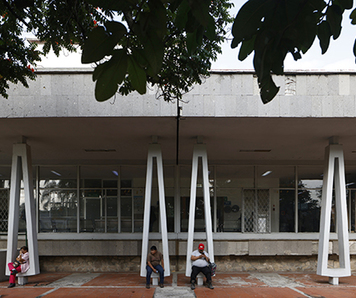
(247, 292)
(335, 292)
(275, 280)
(178, 292)
(101, 292)
(122, 280)
(22, 292)
(74, 280)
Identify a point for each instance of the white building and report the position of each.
(265, 168)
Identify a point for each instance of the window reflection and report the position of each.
(58, 199)
(309, 204)
(246, 200)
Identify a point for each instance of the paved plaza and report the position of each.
(235, 284)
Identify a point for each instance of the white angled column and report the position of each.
(199, 152)
(334, 174)
(21, 163)
(155, 151)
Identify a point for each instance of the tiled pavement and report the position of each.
(253, 284)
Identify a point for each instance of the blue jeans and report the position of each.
(149, 272)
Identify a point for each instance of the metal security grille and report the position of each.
(4, 209)
(256, 211)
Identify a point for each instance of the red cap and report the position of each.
(201, 246)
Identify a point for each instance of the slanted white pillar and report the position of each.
(199, 152)
(21, 162)
(155, 151)
(334, 171)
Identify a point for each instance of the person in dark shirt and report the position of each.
(154, 260)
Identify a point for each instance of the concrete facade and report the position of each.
(71, 94)
(60, 117)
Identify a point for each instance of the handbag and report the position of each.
(212, 267)
(16, 264)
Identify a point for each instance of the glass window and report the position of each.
(185, 175)
(256, 211)
(110, 207)
(99, 198)
(352, 193)
(58, 199)
(229, 209)
(5, 173)
(133, 179)
(310, 177)
(287, 211)
(309, 204)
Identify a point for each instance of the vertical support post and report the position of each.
(155, 151)
(199, 152)
(334, 170)
(21, 162)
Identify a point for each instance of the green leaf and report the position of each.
(200, 10)
(137, 76)
(114, 4)
(158, 17)
(191, 42)
(354, 48)
(246, 48)
(98, 45)
(116, 28)
(307, 31)
(249, 18)
(334, 17)
(210, 30)
(346, 4)
(182, 15)
(109, 75)
(20, 4)
(353, 17)
(174, 4)
(154, 51)
(324, 34)
(268, 90)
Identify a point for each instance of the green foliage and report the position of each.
(166, 43)
(17, 57)
(169, 44)
(59, 24)
(273, 28)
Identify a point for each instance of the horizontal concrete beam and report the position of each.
(225, 94)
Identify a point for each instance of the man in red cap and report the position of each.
(200, 263)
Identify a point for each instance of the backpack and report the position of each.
(212, 267)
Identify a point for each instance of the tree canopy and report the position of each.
(133, 43)
(165, 43)
(273, 28)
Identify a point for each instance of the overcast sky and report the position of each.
(338, 57)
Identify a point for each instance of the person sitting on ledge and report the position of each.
(20, 265)
(154, 259)
(200, 263)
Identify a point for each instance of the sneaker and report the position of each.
(147, 286)
(161, 285)
(11, 285)
(210, 285)
(192, 286)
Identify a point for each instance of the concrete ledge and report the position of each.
(3, 265)
(154, 277)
